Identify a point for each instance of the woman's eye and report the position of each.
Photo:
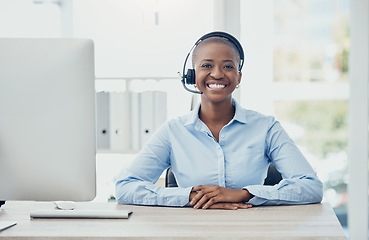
(229, 66)
(206, 65)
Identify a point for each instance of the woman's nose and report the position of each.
(217, 73)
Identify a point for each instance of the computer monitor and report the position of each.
(47, 120)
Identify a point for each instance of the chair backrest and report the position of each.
(170, 180)
(273, 177)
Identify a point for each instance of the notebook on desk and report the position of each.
(81, 214)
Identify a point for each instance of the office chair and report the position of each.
(273, 177)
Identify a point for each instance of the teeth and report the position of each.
(216, 86)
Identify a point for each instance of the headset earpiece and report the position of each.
(190, 77)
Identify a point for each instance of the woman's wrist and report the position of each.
(246, 195)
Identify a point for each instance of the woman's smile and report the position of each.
(216, 86)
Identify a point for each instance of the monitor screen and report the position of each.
(47, 119)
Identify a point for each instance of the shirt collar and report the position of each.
(193, 115)
(240, 114)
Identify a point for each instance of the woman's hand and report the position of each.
(204, 197)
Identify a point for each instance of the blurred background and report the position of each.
(296, 68)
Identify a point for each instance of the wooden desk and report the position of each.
(316, 221)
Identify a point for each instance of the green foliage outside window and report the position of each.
(325, 124)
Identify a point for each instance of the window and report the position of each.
(296, 68)
(311, 41)
(311, 45)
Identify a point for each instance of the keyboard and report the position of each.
(6, 224)
(89, 214)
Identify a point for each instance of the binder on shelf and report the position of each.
(119, 122)
(102, 120)
(146, 116)
(153, 113)
(126, 120)
(160, 108)
(135, 121)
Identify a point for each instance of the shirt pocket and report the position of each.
(247, 166)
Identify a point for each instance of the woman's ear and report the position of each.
(239, 77)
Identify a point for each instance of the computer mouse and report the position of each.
(65, 205)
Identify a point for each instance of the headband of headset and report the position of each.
(189, 78)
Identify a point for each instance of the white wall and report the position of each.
(132, 37)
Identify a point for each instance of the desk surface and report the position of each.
(315, 221)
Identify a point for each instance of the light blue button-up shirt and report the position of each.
(240, 160)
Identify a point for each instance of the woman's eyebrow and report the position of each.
(207, 60)
(211, 60)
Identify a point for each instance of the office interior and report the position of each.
(305, 63)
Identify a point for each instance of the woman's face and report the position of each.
(216, 71)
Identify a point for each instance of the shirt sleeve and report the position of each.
(137, 185)
(300, 184)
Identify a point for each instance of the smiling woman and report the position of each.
(219, 152)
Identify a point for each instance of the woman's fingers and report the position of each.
(206, 201)
(230, 206)
(201, 198)
(203, 193)
(244, 205)
(227, 206)
(209, 203)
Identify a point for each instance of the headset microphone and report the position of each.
(189, 78)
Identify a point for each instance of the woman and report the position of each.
(219, 152)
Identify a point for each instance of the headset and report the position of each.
(189, 78)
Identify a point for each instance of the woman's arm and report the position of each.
(137, 185)
(300, 184)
